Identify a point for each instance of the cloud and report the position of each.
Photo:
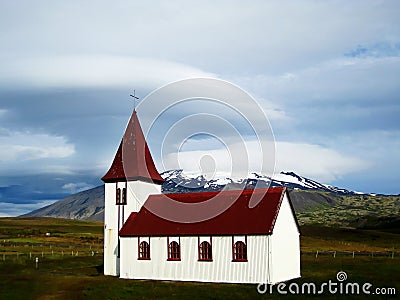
(382, 49)
(13, 209)
(94, 71)
(75, 187)
(321, 70)
(24, 146)
(267, 35)
(316, 162)
(309, 160)
(335, 81)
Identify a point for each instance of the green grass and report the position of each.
(81, 277)
(347, 239)
(358, 211)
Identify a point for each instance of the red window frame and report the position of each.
(174, 250)
(143, 250)
(239, 250)
(205, 250)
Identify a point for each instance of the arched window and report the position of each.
(144, 250)
(205, 251)
(174, 251)
(239, 251)
(123, 201)
(118, 196)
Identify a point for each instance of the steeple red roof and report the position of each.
(133, 160)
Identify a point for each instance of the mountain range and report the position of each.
(305, 193)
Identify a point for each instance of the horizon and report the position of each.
(325, 75)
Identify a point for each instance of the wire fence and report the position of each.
(17, 251)
(15, 256)
(353, 254)
(20, 250)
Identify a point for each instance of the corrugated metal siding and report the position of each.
(221, 269)
(285, 246)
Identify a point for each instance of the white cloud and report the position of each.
(222, 36)
(21, 146)
(95, 71)
(313, 161)
(75, 187)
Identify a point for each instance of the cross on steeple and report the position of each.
(134, 99)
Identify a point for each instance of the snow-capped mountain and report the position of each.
(89, 205)
(177, 182)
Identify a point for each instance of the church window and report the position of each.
(118, 196)
(239, 250)
(123, 202)
(205, 251)
(144, 250)
(174, 249)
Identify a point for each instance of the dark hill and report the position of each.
(86, 205)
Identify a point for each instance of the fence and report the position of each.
(353, 254)
(16, 251)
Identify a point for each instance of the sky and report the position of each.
(326, 74)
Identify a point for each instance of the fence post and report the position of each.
(316, 254)
(334, 254)
(353, 254)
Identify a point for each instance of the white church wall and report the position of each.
(116, 215)
(137, 194)
(189, 268)
(285, 245)
(110, 230)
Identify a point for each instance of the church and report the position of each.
(243, 236)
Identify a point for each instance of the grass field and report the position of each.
(358, 211)
(376, 261)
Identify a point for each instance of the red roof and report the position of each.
(209, 213)
(133, 160)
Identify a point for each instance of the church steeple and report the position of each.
(133, 160)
